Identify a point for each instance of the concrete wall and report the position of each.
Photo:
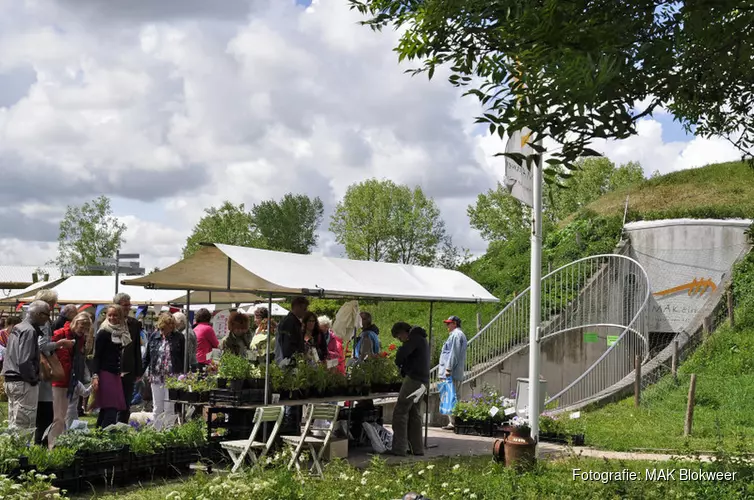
(675, 253)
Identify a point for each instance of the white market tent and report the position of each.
(30, 290)
(97, 290)
(239, 269)
(233, 269)
(277, 309)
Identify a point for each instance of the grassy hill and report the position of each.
(723, 190)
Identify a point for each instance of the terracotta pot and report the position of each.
(498, 451)
(520, 449)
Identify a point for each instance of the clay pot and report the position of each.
(520, 449)
(498, 451)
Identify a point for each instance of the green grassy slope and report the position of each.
(719, 190)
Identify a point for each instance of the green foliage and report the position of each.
(30, 485)
(479, 407)
(573, 72)
(289, 225)
(43, 459)
(234, 367)
(467, 478)
(498, 215)
(593, 178)
(88, 232)
(229, 224)
(384, 221)
(743, 291)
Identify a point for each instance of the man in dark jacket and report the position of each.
(130, 364)
(290, 338)
(412, 359)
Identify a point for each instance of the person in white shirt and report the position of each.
(453, 358)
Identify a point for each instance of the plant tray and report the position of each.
(235, 398)
(475, 428)
(575, 439)
(98, 460)
(157, 460)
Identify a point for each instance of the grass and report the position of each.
(469, 478)
(724, 412)
(719, 190)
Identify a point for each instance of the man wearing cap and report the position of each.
(453, 358)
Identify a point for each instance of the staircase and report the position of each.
(605, 298)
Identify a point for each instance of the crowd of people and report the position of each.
(124, 362)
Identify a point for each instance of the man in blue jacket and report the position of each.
(453, 358)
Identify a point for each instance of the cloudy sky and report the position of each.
(169, 107)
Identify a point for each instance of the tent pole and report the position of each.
(229, 261)
(186, 336)
(267, 354)
(426, 397)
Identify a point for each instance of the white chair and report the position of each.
(239, 448)
(328, 412)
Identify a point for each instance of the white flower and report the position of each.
(472, 496)
(444, 485)
(430, 466)
(421, 472)
(409, 476)
(456, 466)
(363, 481)
(466, 491)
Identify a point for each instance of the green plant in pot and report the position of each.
(303, 374)
(320, 381)
(235, 369)
(337, 382)
(359, 378)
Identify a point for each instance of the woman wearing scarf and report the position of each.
(73, 361)
(109, 347)
(163, 357)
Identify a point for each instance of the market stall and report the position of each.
(232, 269)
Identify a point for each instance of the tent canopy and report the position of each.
(239, 269)
(29, 291)
(97, 290)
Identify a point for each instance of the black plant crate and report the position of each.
(148, 462)
(99, 460)
(191, 397)
(235, 398)
(174, 394)
(475, 428)
(575, 439)
(181, 457)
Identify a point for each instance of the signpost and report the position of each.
(110, 264)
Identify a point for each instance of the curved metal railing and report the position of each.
(609, 293)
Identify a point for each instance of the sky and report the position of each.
(172, 107)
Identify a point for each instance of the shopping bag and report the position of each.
(447, 396)
(50, 368)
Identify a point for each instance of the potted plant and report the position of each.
(235, 369)
(360, 378)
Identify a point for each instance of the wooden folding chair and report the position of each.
(239, 448)
(316, 412)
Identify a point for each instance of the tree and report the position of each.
(592, 178)
(417, 228)
(382, 221)
(577, 71)
(498, 215)
(452, 257)
(87, 233)
(627, 175)
(291, 224)
(229, 224)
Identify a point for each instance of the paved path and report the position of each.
(448, 444)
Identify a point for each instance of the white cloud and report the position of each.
(181, 107)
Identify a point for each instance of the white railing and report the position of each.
(607, 293)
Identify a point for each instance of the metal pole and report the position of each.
(188, 325)
(117, 268)
(426, 397)
(267, 354)
(535, 304)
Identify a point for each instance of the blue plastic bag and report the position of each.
(447, 396)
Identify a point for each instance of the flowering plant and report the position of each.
(480, 406)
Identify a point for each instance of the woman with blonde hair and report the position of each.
(73, 361)
(163, 357)
(112, 337)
